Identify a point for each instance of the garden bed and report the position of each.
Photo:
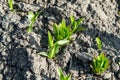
(19, 58)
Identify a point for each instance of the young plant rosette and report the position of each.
(100, 64)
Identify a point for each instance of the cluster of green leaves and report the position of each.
(62, 31)
(100, 63)
(10, 3)
(62, 34)
(53, 47)
(32, 17)
(99, 43)
(62, 76)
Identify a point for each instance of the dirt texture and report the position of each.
(19, 59)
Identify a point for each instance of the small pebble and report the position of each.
(1, 77)
(107, 75)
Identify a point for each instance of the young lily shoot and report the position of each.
(75, 24)
(99, 43)
(100, 64)
(32, 18)
(53, 47)
(62, 76)
(10, 3)
(64, 31)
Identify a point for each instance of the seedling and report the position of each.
(32, 17)
(10, 3)
(100, 64)
(62, 31)
(75, 24)
(53, 47)
(99, 43)
(62, 76)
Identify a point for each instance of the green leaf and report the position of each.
(53, 50)
(79, 21)
(56, 30)
(50, 40)
(68, 32)
(72, 19)
(57, 49)
(60, 73)
(63, 76)
(99, 43)
(75, 27)
(43, 54)
(63, 24)
(62, 29)
(37, 14)
(63, 42)
(80, 29)
(10, 3)
(69, 77)
(29, 29)
(30, 15)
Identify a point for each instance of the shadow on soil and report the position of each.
(109, 40)
(17, 61)
(118, 2)
(19, 65)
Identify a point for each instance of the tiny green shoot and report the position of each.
(100, 64)
(10, 3)
(99, 43)
(32, 17)
(53, 47)
(62, 76)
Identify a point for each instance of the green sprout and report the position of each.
(75, 24)
(62, 76)
(10, 3)
(62, 31)
(32, 17)
(53, 47)
(99, 43)
(100, 64)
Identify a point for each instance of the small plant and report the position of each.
(53, 47)
(99, 43)
(62, 31)
(75, 24)
(62, 76)
(32, 17)
(100, 64)
(10, 3)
